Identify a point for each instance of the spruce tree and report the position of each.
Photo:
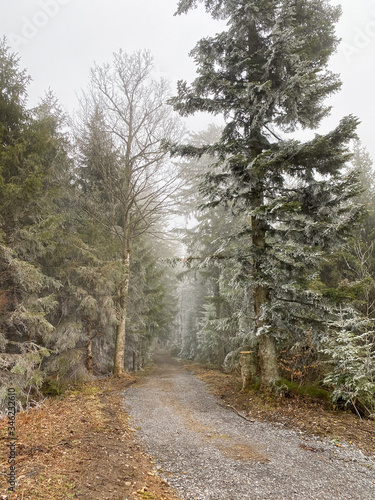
(215, 319)
(267, 75)
(31, 156)
(350, 273)
(152, 301)
(25, 203)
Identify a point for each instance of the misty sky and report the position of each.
(58, 41)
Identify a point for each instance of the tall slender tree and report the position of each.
(267, 75)
(125, 170)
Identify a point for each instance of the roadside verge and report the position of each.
(310, 415)
(81, 446)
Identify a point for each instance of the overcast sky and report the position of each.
(58, 41)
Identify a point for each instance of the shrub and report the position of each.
(351, 349)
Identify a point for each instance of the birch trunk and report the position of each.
(119, 360)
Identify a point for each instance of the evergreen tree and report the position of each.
(192, 292)
(349, 274)
(267, 75)
(363, 245)
(31, 153)
(214, 306)
(351, 349)
(152, 298)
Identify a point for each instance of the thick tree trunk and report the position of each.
(119, 360)
(267, 360)
(266, 344)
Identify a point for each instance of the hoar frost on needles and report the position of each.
(267, 75)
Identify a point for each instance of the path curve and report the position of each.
(207, 452)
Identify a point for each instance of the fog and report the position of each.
(59, 40)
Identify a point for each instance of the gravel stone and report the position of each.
(207, 452)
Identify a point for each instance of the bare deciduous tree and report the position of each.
(124, 121)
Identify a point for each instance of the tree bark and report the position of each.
(267, 360)
(218, 311)
(119, 360)
(247, 362)
(266, 343)
(89, 359)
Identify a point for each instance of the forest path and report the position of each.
(208, 452)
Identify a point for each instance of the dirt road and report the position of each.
(208, 452)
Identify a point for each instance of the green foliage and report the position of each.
(350, 274)
(152, 300)
(293, 203)
(26, 207)
(54, 387)
(34, 182)
(348, 277)
(214, 301)
(210, 336)
(271, 59)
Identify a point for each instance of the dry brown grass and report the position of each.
(81, 446)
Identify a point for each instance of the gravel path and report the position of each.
(207, 452)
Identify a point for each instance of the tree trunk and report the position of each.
(266, 343)
(267, 360)
(119, 361)
(89, 360)
(218, 311)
